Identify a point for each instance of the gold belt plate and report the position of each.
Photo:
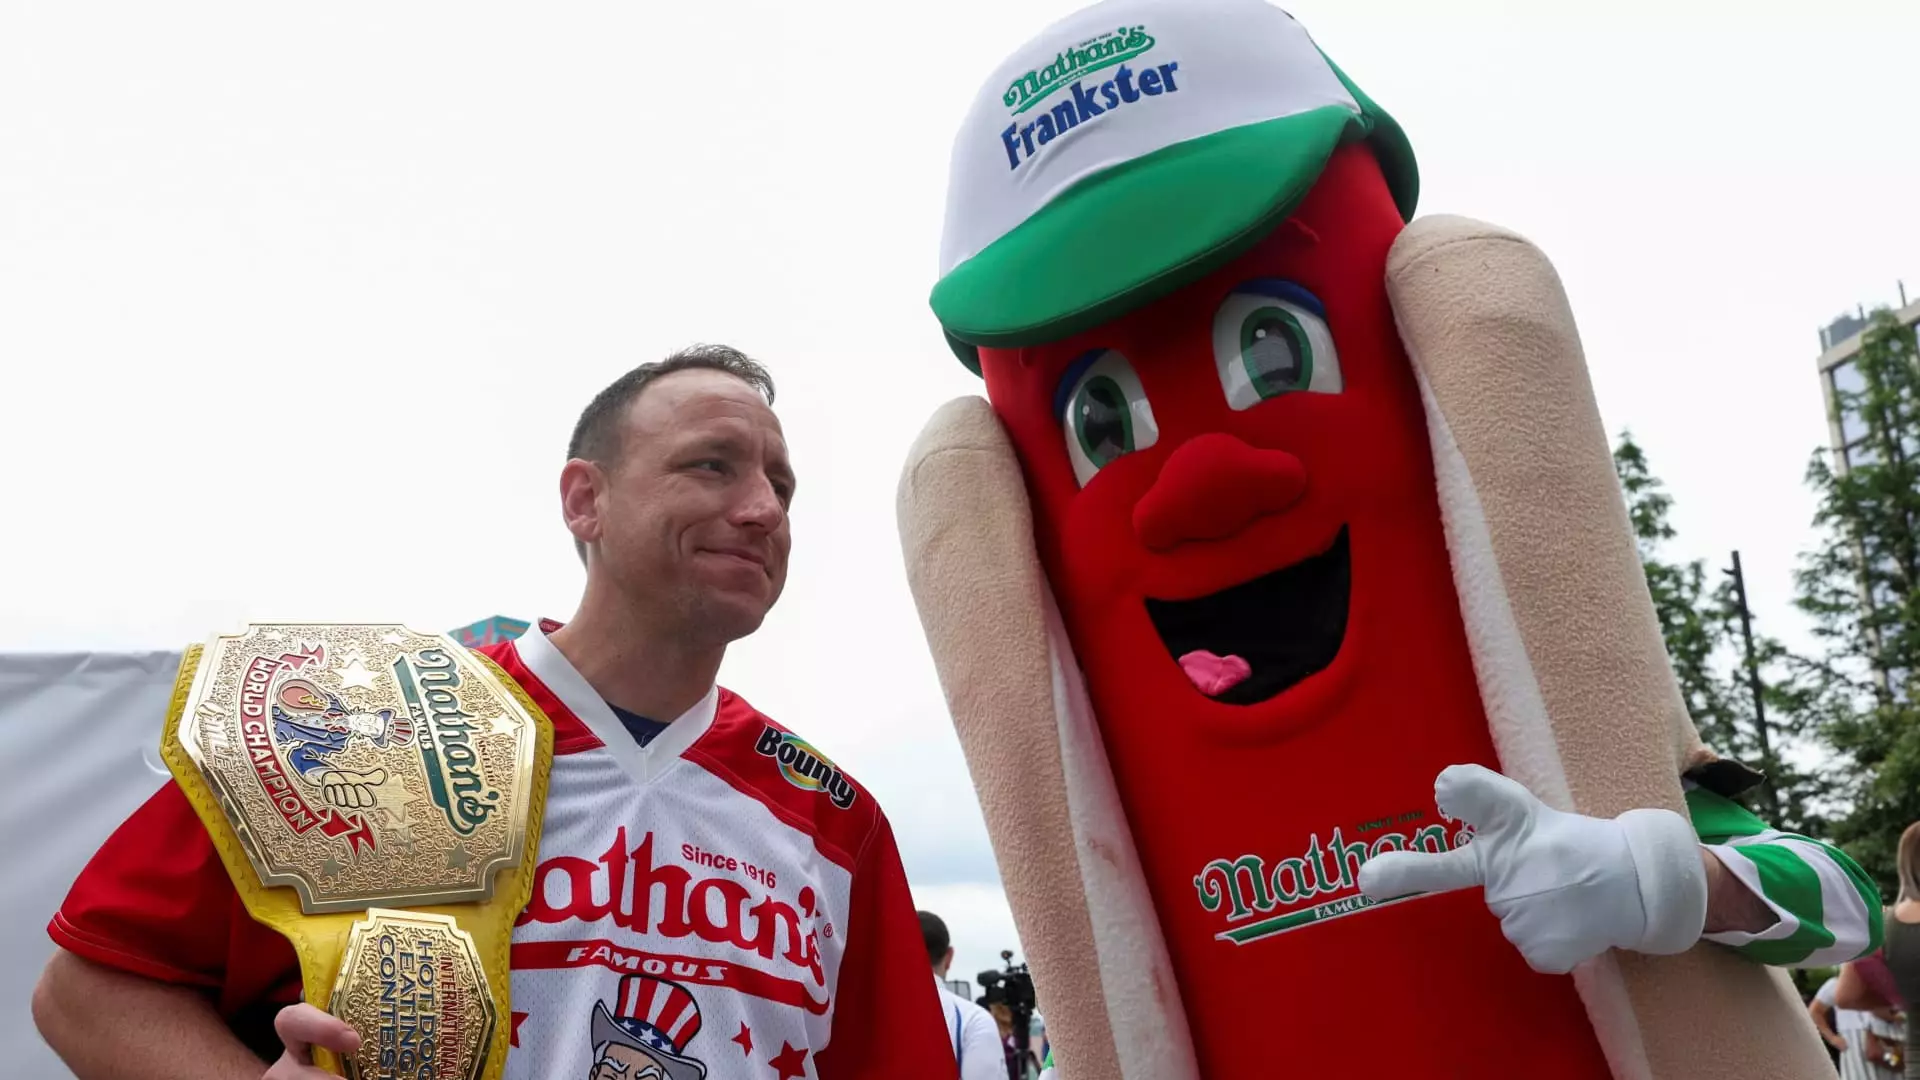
(413, 986)
(363, 764)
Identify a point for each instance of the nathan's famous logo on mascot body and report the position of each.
(804, 767)
(1089, 99)
(1284, 896)
(454, 778)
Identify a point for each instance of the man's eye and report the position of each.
(1106, 414)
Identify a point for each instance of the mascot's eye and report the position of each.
(1271, 338)
(1104, 412)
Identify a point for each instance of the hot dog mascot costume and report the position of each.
(1285, 601)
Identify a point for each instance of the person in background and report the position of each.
(1900, 954)
(1844, 1031)
(976, 1038)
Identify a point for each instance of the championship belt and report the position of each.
(376, 795)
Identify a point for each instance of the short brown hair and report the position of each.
(597, 434)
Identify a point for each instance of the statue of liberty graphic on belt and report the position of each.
(311, 726)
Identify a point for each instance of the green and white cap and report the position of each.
(1131, 148)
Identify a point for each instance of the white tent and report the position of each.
(79, 751)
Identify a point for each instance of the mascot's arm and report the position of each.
(1579, 691)
(1825, 908)
(1067, 860)
(1569, 886)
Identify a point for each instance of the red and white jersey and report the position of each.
(721, 902)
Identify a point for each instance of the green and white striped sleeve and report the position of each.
(1827, 908)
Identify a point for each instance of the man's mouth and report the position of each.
(743, 555)
(1247, 643)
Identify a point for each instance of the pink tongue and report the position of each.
(1214, 675)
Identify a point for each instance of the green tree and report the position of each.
(1699, 618)
(1858, 586)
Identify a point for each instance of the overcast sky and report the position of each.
(299, 303)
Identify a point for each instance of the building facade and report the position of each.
(1848, 431)
(1839, 344)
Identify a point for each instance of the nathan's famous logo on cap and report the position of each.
(1088, 98)
(1083, 59)
(805, 767)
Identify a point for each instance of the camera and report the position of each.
(1012, 987)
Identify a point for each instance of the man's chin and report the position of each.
(734, 615)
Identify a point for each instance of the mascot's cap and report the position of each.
(1131, 148)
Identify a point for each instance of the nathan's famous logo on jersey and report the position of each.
(805, 767)
(455, 779)
(1256, 899)
(1087, 99)
(659, 900)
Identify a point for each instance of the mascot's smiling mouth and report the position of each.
(1247, 643)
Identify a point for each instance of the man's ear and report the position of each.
(581, 483)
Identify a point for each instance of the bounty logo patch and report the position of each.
(1088, 99)
(804, 767)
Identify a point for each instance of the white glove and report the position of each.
(1565, 887)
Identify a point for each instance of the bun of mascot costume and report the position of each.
(1286, 604)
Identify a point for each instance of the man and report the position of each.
(666, 794)
(975, 1037)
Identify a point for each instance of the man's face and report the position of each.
(692, 514)
(626, 1063)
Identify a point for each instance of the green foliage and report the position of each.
(1700, 619)
(1858, 587)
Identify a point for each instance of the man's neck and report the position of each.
(634, 665)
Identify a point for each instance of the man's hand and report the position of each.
(301, 1028)
(1565, 887)
(350, 790)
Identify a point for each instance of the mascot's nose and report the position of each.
(1212, 487)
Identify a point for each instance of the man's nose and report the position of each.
(760, 505)
(1213, 486)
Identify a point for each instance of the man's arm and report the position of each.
(886, 1013)
(112, 1025)
(151, 1030)
(1820, 908)
(149, 936)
